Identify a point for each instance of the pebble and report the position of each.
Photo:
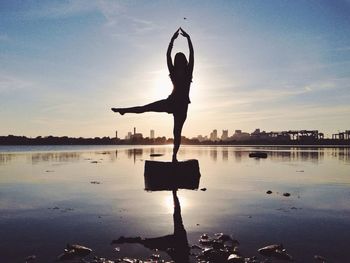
(74, 251)
(233, 258)
(277, 251)
(270, 249)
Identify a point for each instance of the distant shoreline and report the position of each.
(53, 140)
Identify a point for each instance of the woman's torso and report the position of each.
(181, 86)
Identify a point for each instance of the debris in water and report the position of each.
(95, 182)
(156, 154)
(286, 194)
(269, 192)
(258, 155)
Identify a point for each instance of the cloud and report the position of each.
(60, 9)
(121, 23)
(10, 83)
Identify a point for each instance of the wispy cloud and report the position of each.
(121, 23)
(11, 83)
(60, 9)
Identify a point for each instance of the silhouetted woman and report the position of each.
(177, 102)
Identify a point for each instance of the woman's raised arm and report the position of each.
(168, 53)
(190, 46)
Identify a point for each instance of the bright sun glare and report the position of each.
(169, 204)
(162, 85)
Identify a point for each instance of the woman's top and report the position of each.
(181, 86)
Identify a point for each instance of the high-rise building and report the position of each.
(224, 135)
(127, 137)
(152, 134)
(214, 135)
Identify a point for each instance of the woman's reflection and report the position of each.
(176, 245)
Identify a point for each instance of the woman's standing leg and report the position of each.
(158, 106)
(179, 120)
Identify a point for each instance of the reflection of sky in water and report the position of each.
(47, 199)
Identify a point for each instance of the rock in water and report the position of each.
(74, 251)
(258, 155)
(171, 175)
(233, 258)
(269, 250)
(79, 250)
(156, 154)
(277, 251)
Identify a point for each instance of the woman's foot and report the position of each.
(120, 111)
(174, 159)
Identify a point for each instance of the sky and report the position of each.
(274, 65)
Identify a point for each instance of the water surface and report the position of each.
(47, 199)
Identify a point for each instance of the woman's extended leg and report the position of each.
(179, 120)
(158, 106)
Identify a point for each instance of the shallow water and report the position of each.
(47, 199)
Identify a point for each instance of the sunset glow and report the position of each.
(273, 65)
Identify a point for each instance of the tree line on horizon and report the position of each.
(65, 140)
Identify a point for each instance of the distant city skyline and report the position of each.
(277, 65)
(239, 134)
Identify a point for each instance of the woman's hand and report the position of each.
(175, 35)
(184, 33)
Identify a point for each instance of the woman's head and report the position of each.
(180, 61)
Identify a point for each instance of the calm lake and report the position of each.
(54, 195)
